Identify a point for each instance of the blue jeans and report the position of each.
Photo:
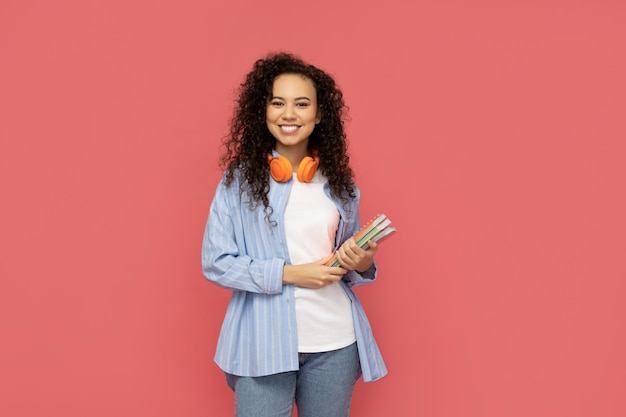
(322, 387)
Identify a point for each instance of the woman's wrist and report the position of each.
(288, 272)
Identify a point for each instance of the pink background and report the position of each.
(491, 132)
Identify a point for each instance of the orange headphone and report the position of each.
(282, 171)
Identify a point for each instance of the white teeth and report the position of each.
(289, 129)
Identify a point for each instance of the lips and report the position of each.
(289, 128)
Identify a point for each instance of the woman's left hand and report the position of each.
(352, 257)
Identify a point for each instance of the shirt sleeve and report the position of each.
(224, 258)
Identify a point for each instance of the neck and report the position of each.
(295, 154)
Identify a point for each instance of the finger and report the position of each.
(333, 278)
(336, 270)
(342, 259)
(350, 246)
(350, 257)
(346, 263)
(372, 246)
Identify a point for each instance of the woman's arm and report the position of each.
(224, 258)
(312, 275)
(360, 263)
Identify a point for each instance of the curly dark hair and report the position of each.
(250, 141)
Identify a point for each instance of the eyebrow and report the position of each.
(297, 98)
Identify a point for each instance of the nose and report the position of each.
(289, 112)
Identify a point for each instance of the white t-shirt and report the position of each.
(323, 316)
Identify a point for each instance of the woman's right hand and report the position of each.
(312, 275)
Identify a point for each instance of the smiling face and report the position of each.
(292, 113)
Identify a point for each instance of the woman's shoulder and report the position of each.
(229, 182)
(232, 176)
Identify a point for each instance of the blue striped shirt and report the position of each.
(243, 253)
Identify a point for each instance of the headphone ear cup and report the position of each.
(280, 168)
(307, 168)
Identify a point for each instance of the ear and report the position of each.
(318, 116)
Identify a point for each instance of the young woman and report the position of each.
(294, 330)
